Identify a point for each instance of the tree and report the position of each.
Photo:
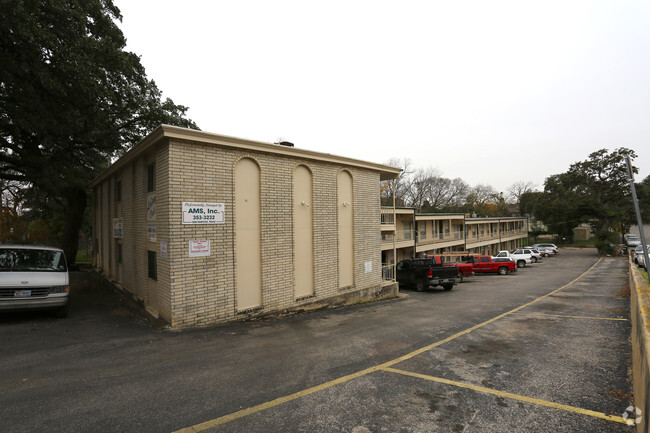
(71, 99)
(398, 187)
(594, 191)
(518, 189)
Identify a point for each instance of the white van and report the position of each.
(34, 278)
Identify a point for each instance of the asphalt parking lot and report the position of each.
(545, 349)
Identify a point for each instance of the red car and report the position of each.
(501, 266)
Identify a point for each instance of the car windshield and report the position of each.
(28, 259)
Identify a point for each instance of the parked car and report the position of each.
(638, 251)
(552, 247)
(545, 251)
(465, 269)
(535, 254)
(500, 265)
(637, 255)
(425, 273)
(520, 258)
(632, 240)
(34, 278)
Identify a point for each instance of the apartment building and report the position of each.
(407, 234)
(203, 228)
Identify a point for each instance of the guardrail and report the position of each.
(640, 312)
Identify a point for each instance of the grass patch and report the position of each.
(84, 256)
(644, 274)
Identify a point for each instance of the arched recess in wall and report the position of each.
(248, 235)
(303, 232)
(345, 218)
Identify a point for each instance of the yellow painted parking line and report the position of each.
(281, 400)
(580, 317)
(511, 396)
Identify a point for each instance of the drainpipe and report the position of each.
(395, 233)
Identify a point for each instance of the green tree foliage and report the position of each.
(71, 99)
(594, 191)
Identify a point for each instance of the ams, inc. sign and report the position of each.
(203, 213)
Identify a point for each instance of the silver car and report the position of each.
(34, 278)
(632, 240)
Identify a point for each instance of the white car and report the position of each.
(552, 247)
(637, 256)
(632, 240)
(34, 278)
(518, 257)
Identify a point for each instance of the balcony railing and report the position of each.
(387, 216)
(405, 235)
(387, 272)
(440, 237)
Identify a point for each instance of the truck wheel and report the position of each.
(447, 286)
(521, 263)
(420, 285)
(503, 270)
(461, 276)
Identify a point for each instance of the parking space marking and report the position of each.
(518, 397)
(579, 317)
(281, 400)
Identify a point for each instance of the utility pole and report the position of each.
(630, 174)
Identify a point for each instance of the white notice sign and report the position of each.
(199, 248)
(368, 266)
(204, 213)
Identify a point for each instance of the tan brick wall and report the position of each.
(202, 290)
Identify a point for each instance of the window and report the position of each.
(151, 265)
(118, 190)
(408, 229)
(151, 177)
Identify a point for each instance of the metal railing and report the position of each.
(387, 216)
(387, 272)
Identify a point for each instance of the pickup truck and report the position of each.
(464, 269)
(521, 259)
(500, 265)
(425, 273)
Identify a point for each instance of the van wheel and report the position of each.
(420, 285)
(503, 270)
(521, 263)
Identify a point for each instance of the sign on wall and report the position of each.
(199, 248)
(204, 213)
(163, 249)
(118, 228)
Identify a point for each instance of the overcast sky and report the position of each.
(492, 92)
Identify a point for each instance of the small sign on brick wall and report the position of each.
(118, 228)
(200, 248)
(204, 213)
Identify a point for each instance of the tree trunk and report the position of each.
(74, 212)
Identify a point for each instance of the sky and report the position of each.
(492, 92)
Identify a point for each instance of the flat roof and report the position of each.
(162, 132)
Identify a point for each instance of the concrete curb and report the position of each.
(640, 312)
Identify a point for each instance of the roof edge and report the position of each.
(174, 132)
